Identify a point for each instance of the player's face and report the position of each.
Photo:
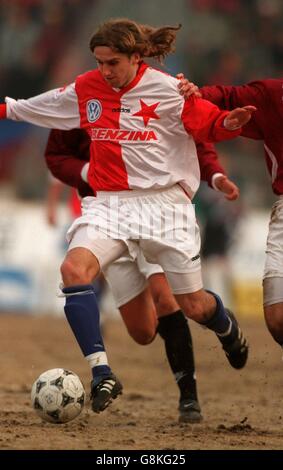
(117, 69)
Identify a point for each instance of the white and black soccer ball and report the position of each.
(58, 396)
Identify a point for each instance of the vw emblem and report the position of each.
(93, 110)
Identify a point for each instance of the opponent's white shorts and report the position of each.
(127, 278)
(273, 269)
(159, 222)
(274, 246)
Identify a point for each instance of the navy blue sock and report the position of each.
(220, 323)
(82, 313)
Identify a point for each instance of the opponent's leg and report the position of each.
(139, 316)
(273, 275)
(134, 299)
(174, 329)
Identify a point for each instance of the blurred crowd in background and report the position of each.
(44, 44)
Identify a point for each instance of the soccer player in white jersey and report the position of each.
(143, 156)
(140, 289)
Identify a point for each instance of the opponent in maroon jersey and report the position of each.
(265, 125)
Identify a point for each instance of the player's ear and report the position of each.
(135, 58)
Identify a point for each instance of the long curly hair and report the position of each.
(127, 36)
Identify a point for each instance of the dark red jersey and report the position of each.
(266, 123)
(208, 162)
(66, 153)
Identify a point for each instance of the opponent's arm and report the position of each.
(213, 173)
(66, 160)
(207, 123)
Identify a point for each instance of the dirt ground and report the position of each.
(242, 409)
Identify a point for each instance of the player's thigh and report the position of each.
(146, 268)
(163, 297)
(125, 280)
(139, 316)
(180, 262)
(105, 250)
(178, 249)
(183, 272)
(133, 298)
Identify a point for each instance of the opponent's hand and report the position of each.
(187, 88)
(226, 186)
(238, 117)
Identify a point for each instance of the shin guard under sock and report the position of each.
(174, 329)
(82, 313)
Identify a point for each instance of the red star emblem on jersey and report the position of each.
(147, 112)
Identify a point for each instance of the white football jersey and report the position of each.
(142, 135)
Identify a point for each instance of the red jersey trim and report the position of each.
(3, 111)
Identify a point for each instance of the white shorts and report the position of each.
(273, 269)
(274, 247)
(173, 244)
(127, 278)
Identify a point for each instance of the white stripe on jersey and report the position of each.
(56, 109)
(172, 157)
(274, 163)
(165, 157)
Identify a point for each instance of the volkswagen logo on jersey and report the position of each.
(93, 110)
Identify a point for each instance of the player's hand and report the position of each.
(238, 117)
(187, 88)
(226, 186)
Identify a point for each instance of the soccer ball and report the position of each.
(58, 396)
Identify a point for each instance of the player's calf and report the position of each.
(225, 325)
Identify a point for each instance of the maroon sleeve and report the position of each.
(258, 93)
(66, 153)
(208, 161)
(204, 121)
(219, 95)
(230, 97)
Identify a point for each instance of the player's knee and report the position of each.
(165, 305)
(274, 321)
(74, 273)
(142, 336)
